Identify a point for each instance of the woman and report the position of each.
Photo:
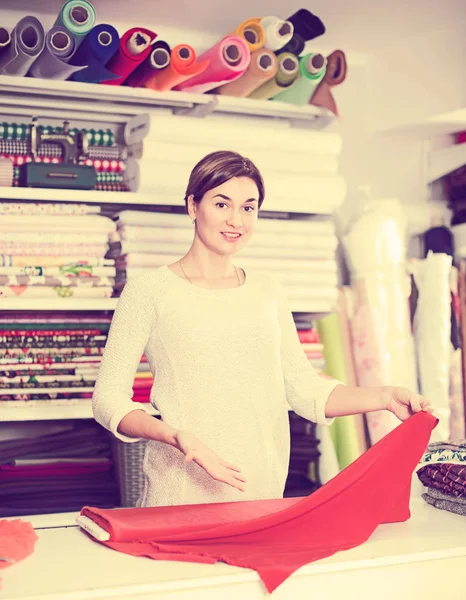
(226, 356)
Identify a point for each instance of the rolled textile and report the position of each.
(78, 17)
(53, 261)
(228, 60)
(53, 292)
(97, 47)
(262, 68)
(277, 32)
(311, 72)
(306, 24)
(43, 222)
(58, 280)
(6, 174)
(5, 40)
(335, 74)
(59, 249)
(286, 75)
(134, 47)
(53, 62)
(49, 208)
(156, 61)
(27, 42)
(295, 46)
(252, 32)
(183, 66)
(258, 534)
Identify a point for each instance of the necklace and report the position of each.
(184, 273)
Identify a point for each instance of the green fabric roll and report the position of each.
(78, 27)
(288, 70)
(311, 72)
(343, 430)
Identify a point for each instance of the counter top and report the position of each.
(423, 557)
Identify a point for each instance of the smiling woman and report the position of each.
(227, 360)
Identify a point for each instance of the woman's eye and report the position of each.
(249, 208)
(221, 204)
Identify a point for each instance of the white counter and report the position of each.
(422, 558)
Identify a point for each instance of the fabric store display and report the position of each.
(27, 42)
(286, 75)
(228, 60)
(99, 45)
(311, 72)
(48, 208)
(6, 172)
(78, 17)
(53, 62)
(276, 537)
(45, 473)
(444, 502)
(335, 74)
(263, 67)
(295, 46)
(158, 59)
(134, 47)
(252, 32)
(432, 333)
(277, 32)
(17, 541)
(383, 346)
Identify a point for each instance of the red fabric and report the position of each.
(276, 537)
(17, 540)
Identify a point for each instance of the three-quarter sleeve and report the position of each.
(128, 335)
(306, 391)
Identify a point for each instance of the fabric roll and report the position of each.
(295, 46)
(55, 281)
(6, 173)
(287, 73)
(263, 67)
(53, 261)
(99, 45)
(51, 238)
(228, 60)
(42, 222)
(134, 47)
(335, 74)
(306, 24)
(156, 61)
(78, 17)
(54, 292)
(311, 72)
(27, 42)
(432, 331)
(5, 40)
(182, 67)
(50, 208)
(59, 249)
(259, 534)
(252, 32)
(278, 32)
(54, 58)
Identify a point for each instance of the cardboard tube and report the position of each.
(252, 32)
(277, 32)
(287, 72)
(183, 66)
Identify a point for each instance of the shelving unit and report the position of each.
(14, 304)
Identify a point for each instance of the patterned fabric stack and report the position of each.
(442, 471)
(54, 250)
(103, 153)
(298, 253)
(311, 344)
(59, 469)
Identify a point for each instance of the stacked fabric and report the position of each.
(60, 471)
(442, 471)
(102, 153)
(300, 254)
(54, 251)
(311, 344)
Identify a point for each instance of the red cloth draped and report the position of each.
(277, 537)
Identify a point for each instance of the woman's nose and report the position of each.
(234, 219)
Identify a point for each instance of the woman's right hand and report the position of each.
(220, 470)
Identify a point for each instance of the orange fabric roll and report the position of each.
(262, 68)
(252, 33)
(182, 66)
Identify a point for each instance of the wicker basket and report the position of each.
(128, 459)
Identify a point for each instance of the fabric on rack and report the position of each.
(69, 262)
(88, 281)
(448, 477)
(54, 292)
(48, 208)
(276, 537)
(52, 249)
(442, 501)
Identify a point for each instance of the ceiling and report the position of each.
(362, 26)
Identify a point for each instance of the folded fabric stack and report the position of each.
(53, 252)
(103, 153)
(442, 471)
(62, 470)
(300, 254)
(311, 344)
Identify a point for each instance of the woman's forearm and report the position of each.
(351, 400)
(138, 424)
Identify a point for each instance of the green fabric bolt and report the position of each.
(312, 69)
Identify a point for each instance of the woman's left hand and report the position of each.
(404, 403)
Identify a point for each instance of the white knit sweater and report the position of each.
(225, 364)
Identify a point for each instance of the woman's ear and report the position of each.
(191, 207)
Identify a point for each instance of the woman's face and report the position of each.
(226, 215)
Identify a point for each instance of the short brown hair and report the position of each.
(217, 168)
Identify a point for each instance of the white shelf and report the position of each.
(444, 161)
(86, 196)
(18, 94)
(52, 410)
(57, 304)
